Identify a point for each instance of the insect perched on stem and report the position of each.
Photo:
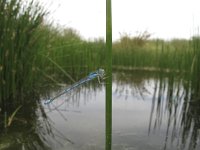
(99, 74)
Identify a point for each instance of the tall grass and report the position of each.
(153, 53)
(67, 50)
(31, 49)
(18, 48)
(75, 55)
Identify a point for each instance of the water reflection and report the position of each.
(176, 102)
(80, 116)
(174, 107)
(150, 111)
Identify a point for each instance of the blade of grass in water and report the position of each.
(109, 74)
(10, 119)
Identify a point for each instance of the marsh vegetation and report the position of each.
(37, 57)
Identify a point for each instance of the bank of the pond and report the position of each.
(146, 69)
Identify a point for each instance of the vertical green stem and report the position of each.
(109, 74)
(5, 120)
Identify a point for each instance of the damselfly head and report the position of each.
(101, 72)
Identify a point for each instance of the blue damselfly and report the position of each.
(99, 74)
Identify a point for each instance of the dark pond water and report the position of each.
(148, 114)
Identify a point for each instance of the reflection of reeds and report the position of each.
(135, 82)
(179, 98)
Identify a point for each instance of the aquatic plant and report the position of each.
(19, 38)
(108, 115)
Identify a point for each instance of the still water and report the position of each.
(147, 115)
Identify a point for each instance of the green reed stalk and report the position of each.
(18, 48)
(109, 74)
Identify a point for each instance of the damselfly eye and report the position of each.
(101, 72)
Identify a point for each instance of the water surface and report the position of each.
(139, 123)
(149, 113)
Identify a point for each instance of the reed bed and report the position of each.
(68, 51)
(18, 48)
(153, 53)
(76, 55)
